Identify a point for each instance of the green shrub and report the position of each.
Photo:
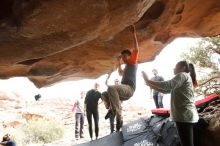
(217, 91)
(42, 131)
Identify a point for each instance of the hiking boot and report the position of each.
(119, 124)
(109, 114)
(112, 131)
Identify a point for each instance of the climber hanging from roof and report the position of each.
(117, 93)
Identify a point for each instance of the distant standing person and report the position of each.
(157, 96)
(118, 93)
(78, 108)
(91, 107)
(111, 116)
(183, 110)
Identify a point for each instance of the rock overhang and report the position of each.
(51, 41)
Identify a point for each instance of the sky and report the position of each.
(164, 63)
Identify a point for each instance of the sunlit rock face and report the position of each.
(55, 40)
(211, 114)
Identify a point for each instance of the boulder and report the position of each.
(52, 41)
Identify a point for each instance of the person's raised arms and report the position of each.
(136, 45)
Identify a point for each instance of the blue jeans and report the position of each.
(158, 100)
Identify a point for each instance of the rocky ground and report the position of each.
(15, 111)
(130, 114)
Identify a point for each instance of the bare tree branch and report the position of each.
(217, 51)
(216, 77)
(215, 86)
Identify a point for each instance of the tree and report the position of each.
(206, 56)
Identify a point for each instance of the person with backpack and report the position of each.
(78, 108)
(183, 110)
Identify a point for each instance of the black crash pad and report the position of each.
(152, 131)
(109, 140)
(149, 131)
